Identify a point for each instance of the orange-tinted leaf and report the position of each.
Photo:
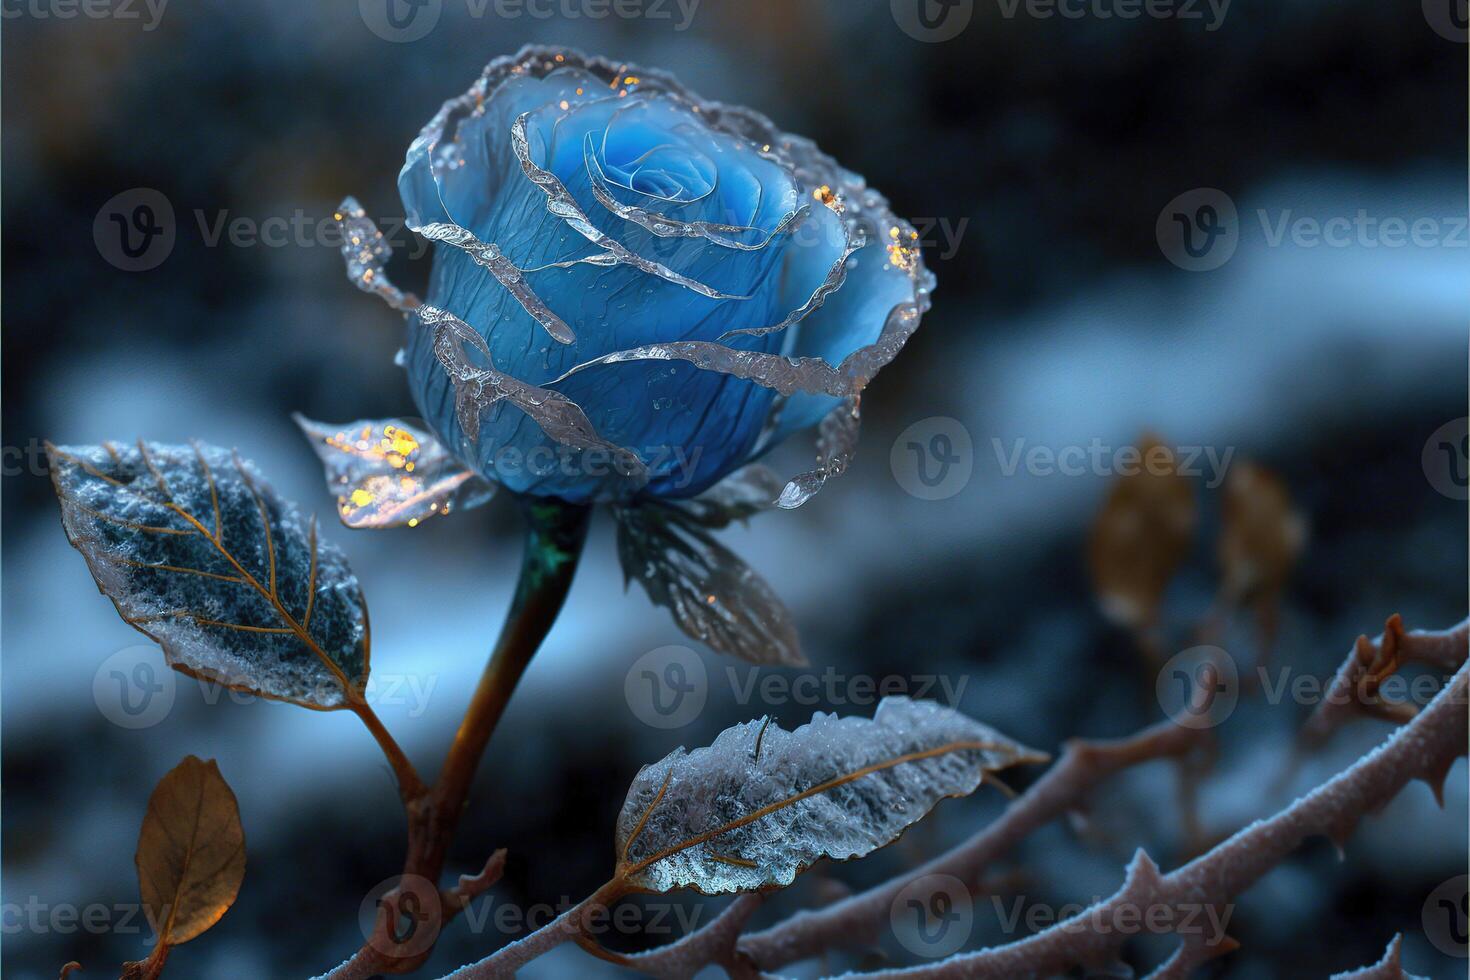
(1141, 536)
(191, 851)
(1260, 536)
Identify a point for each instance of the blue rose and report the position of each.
(635, 290)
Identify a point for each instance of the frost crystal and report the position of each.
(762, 804)
(197, 552)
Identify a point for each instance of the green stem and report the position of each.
(555, 536)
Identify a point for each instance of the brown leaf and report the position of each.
(1141, 536)
(191, 851)
(1260, 535)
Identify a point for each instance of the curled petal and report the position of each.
(560, 202)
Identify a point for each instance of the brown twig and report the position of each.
(554, 543)
(1082, 766)
(1390, 967)
(1356, 690)
(1424, 749)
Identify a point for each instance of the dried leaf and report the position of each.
(1260, 535)
(761, 804)
(191, 851)
(391, 474)
(199, 554)
(714, 596)
(1141, 536)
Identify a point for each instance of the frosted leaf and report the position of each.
(390, 474)
(787, 375)
(366, 252)
(559, 202)
(479, 386)
(837, 441)
(761, 804)
(490, 258)
(714, 596)
(198, 553)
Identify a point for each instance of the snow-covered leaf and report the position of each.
(391, 474)
(197, 552)
(762, 804)
(714, 596)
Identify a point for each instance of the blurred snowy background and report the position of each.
(1041, 152)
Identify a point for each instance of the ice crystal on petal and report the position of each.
(478, 387)
(490, 258)
(837, 441)
(197, 552)
(762, 804)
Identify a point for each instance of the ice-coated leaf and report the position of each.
(714, 596)
(191, 851)
(391, 474)
(762, 804)
(197, 552)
